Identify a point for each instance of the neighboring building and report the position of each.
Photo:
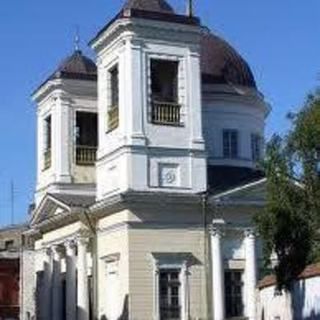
(147, 179)
(302, 304)
(10, 248)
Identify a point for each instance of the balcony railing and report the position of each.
(113, 118)
(86, 155)
(47, 159)
(167, 113)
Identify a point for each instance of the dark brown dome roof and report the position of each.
(160, 6)
(76, 66)
(222, 64)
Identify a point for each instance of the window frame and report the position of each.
(112, 112)
(172, 261)
(47, 142)
(256, 147)
(229, 151)
(167, 113)
(240, 296)
(85, 153)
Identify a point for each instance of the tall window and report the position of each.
(230, 144)
(113, 109)
(170, 294)
(86, 138)
(47, 142)
(164, 92)
(256, 145)
(234, 293)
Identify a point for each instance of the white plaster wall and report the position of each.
(247, 116)
(112, 241)
(126, 157)
(305, 302)
(27, 284)
(61, 99)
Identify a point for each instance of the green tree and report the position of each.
(290, 223)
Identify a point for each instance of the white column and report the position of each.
(71, 281)
(83, 289)
(250, 274)
(45, 300)
(217, 275)
(56, 284)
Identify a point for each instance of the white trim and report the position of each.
(244, 187)
(171, 261)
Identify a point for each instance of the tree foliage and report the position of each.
(291, 222)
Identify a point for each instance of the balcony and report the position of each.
(47, 159)
(113, 118)
(86, 155)
(166, 113)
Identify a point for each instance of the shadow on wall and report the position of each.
(301, 304)
(125, 310)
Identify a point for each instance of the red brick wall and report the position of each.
(9, 288)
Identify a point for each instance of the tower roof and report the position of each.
(76, 66)
(161, 6)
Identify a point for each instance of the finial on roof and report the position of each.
(190, 8)
(77, 39)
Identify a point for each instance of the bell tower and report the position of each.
(67, 128)
(149, 102)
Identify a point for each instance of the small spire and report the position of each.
(190, 8)
(77, 39)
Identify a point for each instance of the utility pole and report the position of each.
(12, 201)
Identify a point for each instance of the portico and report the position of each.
(65, 279)
(218, 265)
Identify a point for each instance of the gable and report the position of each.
(49, 207)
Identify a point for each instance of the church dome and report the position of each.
(160, 6)
(76, 66)
(222, 64)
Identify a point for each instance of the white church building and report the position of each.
(147, 177)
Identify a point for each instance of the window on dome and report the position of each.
(234, 293)
(86, 138)
(113, 108)
(47, 142)
(164, 92)
(256, 144)
(230, 144)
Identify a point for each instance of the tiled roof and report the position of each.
(76, 66)
(309, 272)
(222, 178)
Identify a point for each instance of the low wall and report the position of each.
(305, 304)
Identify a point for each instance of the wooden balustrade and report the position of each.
(86, 155)
(113, 118)
(47, 159)
(167, 113)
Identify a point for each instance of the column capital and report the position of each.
(71, 247)
(57, 251)
(250, 233)
(217, 231)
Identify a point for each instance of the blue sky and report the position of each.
(280, 40)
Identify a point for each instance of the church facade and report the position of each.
(147, 177)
